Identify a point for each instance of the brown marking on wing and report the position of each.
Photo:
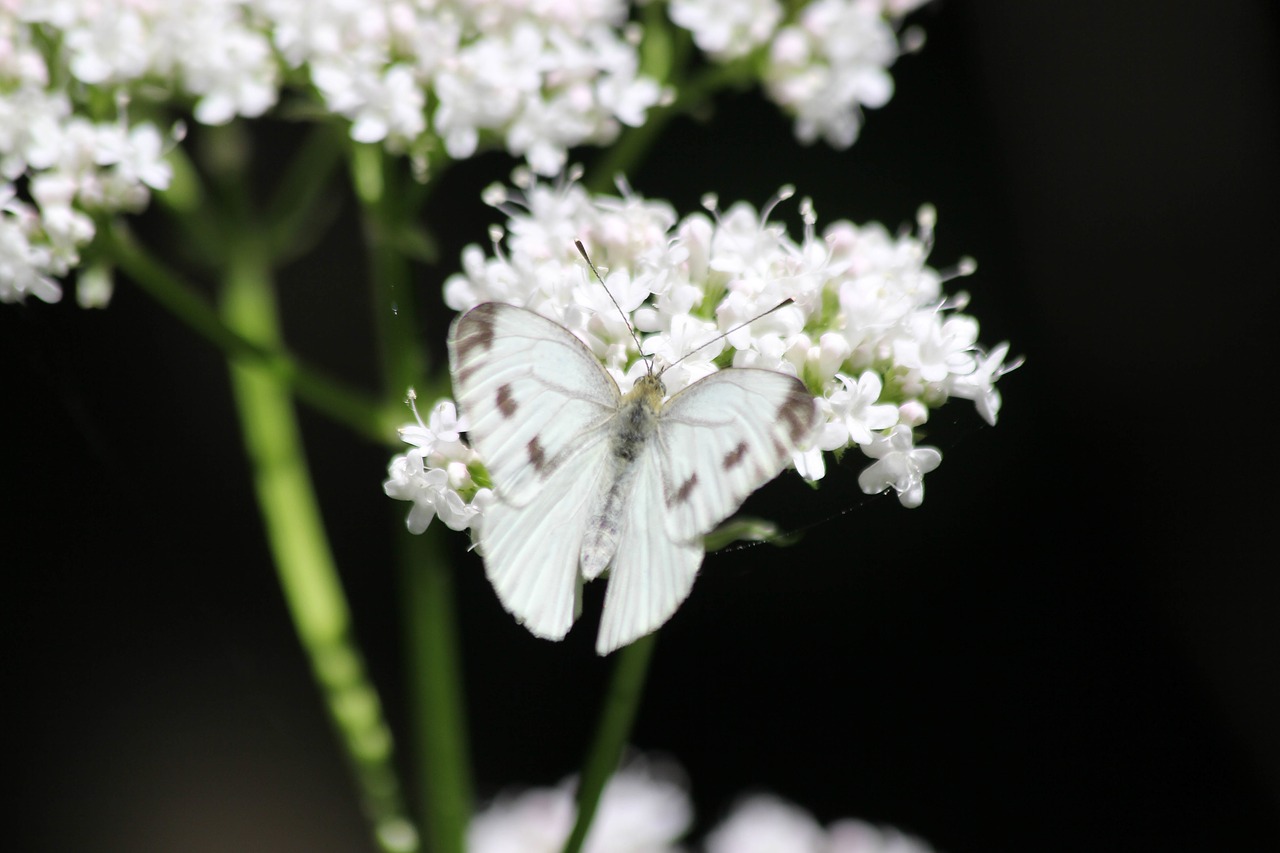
(506, 402)
(682, 494)
(537, 456)
(734, 457)
(478, 331)
(797, 413)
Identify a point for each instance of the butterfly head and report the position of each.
(651, 388)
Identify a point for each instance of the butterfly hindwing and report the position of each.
(652, 573)
(722, 438)
(531, 551)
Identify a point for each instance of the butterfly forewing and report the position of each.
(531, 393)
(723, 437)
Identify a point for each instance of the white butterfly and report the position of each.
(586, 478)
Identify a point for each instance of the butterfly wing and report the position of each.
(537, 405)
(652, 573)
(722, 438)
(717, 441)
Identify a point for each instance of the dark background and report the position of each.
(1072, 645)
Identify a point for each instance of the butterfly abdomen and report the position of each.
(633, 427)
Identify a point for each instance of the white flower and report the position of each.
(979, 385)
(854, 407)
(829, 65)
(409, 479)
(24, 266)
(766, 824)
(856, 836)
(938, 348)
(440, 435)
(436, 474)
(727, 29)
(899, 464)
(640, 811)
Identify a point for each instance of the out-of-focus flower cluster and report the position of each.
(645, 809)
(869, 331)
(57, 167)
(823, 65)
(77, 78)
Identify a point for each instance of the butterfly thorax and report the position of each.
(632, 428)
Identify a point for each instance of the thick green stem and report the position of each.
(621, 703)
(433, 676)
(436, 683)
(295, 533)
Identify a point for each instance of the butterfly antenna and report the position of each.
(583, 251)
(782, 304)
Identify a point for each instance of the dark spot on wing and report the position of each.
(476, 327)
(506, 402)
(797, 413)
(536, 454)
(735, 456)
(684, 491)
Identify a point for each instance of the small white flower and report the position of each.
(766, 824)
(979, 385)
(640, 811)
(899, 465)
(440, 435)
(410, 480)
(829, 65)
(856, 836)
(936, 347)
(727, 29)
(855, 408)
(436, 474)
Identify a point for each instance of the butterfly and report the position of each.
(587, 478)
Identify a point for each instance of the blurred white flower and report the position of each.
(727, 29)
(642, 810)
(855, 836)
(830, 63)
(766, 824)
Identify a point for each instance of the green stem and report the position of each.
(295, 532)
(621, 703)
(181, 299)
(436, 682)
(433, 676)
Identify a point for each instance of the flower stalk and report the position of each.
(296, 537)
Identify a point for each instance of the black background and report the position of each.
(1072, 645)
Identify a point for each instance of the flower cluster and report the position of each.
(537, 77)
(436, 474)
(868, 329)
(823, 66)
(644, 808)
(542, 77)
(56, 168)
